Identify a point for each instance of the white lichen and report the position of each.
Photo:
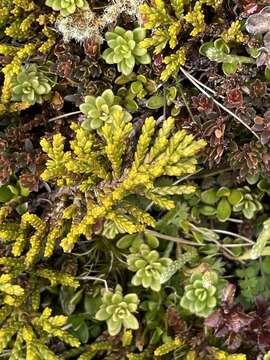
(79, 26)
(83, 25)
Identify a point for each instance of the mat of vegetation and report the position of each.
(135, 179)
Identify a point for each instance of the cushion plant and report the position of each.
(117, 310)
(99, 110)
(29, 85)
(124, 49)
(67, 7)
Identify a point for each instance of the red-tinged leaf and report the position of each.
(233, 341)
(221, 332)
(264, 339)
(237, 321)
(261, 304)
(214, 320)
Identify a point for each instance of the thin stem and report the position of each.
(198, 85)
(212, 173)
(225, 232)
(186, 177)
(64, 115)
(238, 221)
(187, 242)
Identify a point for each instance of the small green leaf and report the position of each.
(266, 265)
(131, 105)
(198, 237)
(230, 68)
(126, 241)
(151, 240)
(92, 304)
(267, 74)
(175, 111)
(155, 102)
(24, 191)
(77, 297)
(136, 87)
(171, 93)
(65, 295)
(5, 194)
(206, 47)
(254, 52)
(151, 86)
(221, 45)
(223, 210)
(21, 208)
(123, 79)
(223, 191)
(14, 189)
(252, 179)
(156, 336)
(264, 186)
(207, 210)
(235, 197)
(249, 210)
(79, 328)
(209, 196)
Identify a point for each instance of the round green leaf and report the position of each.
(252, 179)
(5, 194)
(229, 68)
(223, 191)
(235, 197)
(221, 45)
(125, 241)
(207, 210)
(209, 196)
(223, 210)
(155, 102)
(267, 74)
(131, 105)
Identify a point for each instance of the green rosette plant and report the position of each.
(148, 267)
(250, 203)
(117, 310)
(30, 85)
(219, 51)
(124, 49)
(220, 202)
(100, 110)
(202, 293)
(67, 7)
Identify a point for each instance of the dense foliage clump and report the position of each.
(134, 180)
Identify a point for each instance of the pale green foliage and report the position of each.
(178, 264)
(100, 110)
(97, 157)
(167, 21)
(201, 294)
(259, 248)
(31, 333)
(148, 266)
(30, 85)
(67, 7)
(124, 49)
(168, 347)
(250, 203)
(20, 320)
(117, 310)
